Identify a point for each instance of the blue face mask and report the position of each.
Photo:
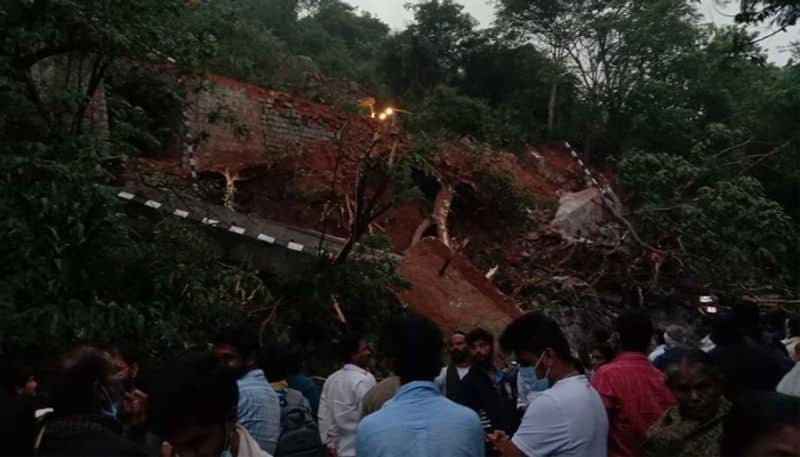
(529, 376)
(112, 410)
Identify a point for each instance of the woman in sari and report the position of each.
(693, 427)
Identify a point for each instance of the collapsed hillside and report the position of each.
(490, 234)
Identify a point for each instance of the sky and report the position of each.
(393, 13)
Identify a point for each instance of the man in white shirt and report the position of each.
(790, 384)
(342, 397)
(459, 365)
(569, 418)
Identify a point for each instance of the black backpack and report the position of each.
(299, 433)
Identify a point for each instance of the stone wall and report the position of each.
(275, 126)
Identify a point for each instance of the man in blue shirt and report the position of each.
(418, 420)
(259, 409)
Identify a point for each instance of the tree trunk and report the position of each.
(341, 257)
(551, 109)
(441, 209)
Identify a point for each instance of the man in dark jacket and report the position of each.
(487, 390)
(86, 395)
(747, 366)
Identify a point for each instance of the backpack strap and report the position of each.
(294, 401)
(294, 398)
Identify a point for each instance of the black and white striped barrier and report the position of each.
(586, 171)
(212, 222)
(606, 191)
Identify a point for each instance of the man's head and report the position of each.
(634, 330)
(197, 410)
(17, 379)
(748, 318)
(481, 346)
(724, 330)
(762, 424)
(459, 352)
(600, 354)
(696, 383)
(354, 349)
(415, 346)
(676, 336)
(537, 341)
(793, 326)
(238, 348)
(126, 364)
(274, 361)
(86, 382)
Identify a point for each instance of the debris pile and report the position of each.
(564, 247)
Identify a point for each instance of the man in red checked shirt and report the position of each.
(632, 389)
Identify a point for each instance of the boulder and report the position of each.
(580, 214)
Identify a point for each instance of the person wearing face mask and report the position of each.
(133, 408)
(568, 419)
(86, 395)
(486, 389)
(451, 375)
(196, 413)
(529, 386)
(693, 427)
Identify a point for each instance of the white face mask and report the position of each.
(537, 366)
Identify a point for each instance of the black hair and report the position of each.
(200, 389)
(77, 375)
(274, 361)
(414, 345)
(477, 334)
(658, 334)
(294, 360)
(348, 345)
(601, 335)
(535, 332)
(756, 415)
(681, 356)
(635, 330)
(128, 353)
(794, 325)
(747, 318)
(724, 330)
(244, 339)
(775, 320)
(14, 375)
(604, 349)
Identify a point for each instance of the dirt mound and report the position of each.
(542, 172)
(460, 298)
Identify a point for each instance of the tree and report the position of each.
(717, 220)
(783, 13)
(611, 48)
(430, 50)
(553, 25)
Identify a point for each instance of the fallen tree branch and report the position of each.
(630, 228)
(421, 229)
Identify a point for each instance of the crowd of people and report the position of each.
(632, 391)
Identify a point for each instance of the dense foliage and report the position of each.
(79, 266)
